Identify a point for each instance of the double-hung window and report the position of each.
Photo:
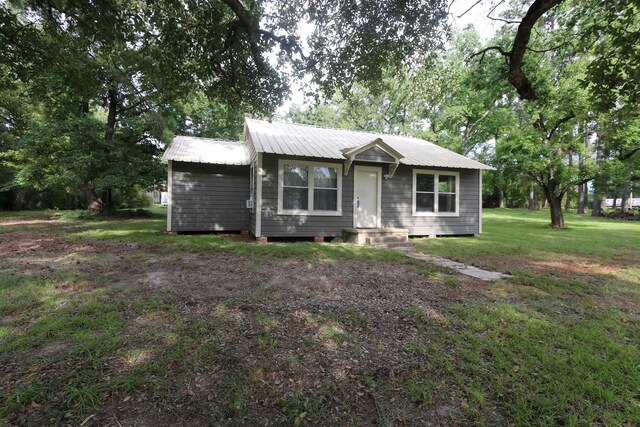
(309, 188)
(295, 188)
(435, 193)
(325, 188)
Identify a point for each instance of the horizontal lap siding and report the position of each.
(209, 197)
(397, 196)
(396, 205)
(274, 225)
(253, 159)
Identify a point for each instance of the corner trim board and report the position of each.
(259, 174)
(169, 193)
(479, 201)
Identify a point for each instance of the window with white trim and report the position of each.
(446, 193)
(435, 193)
(295, 188)
(309, 188)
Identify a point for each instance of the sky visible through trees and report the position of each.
(461, 15)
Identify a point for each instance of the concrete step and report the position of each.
(374, 236)
(383, 240)
(399, 246)
(376, 232)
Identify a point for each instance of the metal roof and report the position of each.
(206, 150)
(310, 141)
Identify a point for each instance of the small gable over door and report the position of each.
(376, 151)
(375, 154)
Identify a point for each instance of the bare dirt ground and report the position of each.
(225, 339)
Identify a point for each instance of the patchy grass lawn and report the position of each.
(113, 323)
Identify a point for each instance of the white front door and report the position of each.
(367, 197)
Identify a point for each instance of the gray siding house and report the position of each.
(290, 180)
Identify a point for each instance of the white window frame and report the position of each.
(436, 176)
(310, 165)
(169, 193)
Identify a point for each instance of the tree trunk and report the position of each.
(599, 205)
(503, 202)
(615, 197)
(94, 202)
(532, 199)
(626, 195)
(84, 107)
(112, 117)
(586, 195)
(555, 208)
(582, 191)
(555, 205)
(601, 181)
(583, 188)
(567, 203)
(517, 77)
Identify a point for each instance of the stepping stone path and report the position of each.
(469, 270)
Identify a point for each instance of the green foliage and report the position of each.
(65, 155)
(391, 107)
(88, 95)
(201, 116)
(582, 60)
(65, 143)
(357, 43)
(610, 32)
(468, 109)
(443, 100)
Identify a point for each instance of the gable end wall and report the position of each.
(209, 197)
(375, 154)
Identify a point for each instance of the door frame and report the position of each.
(378, 171)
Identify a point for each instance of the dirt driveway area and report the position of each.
(121, 333)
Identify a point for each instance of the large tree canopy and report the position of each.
(109, 81)
(592, 46)
(224, 46)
